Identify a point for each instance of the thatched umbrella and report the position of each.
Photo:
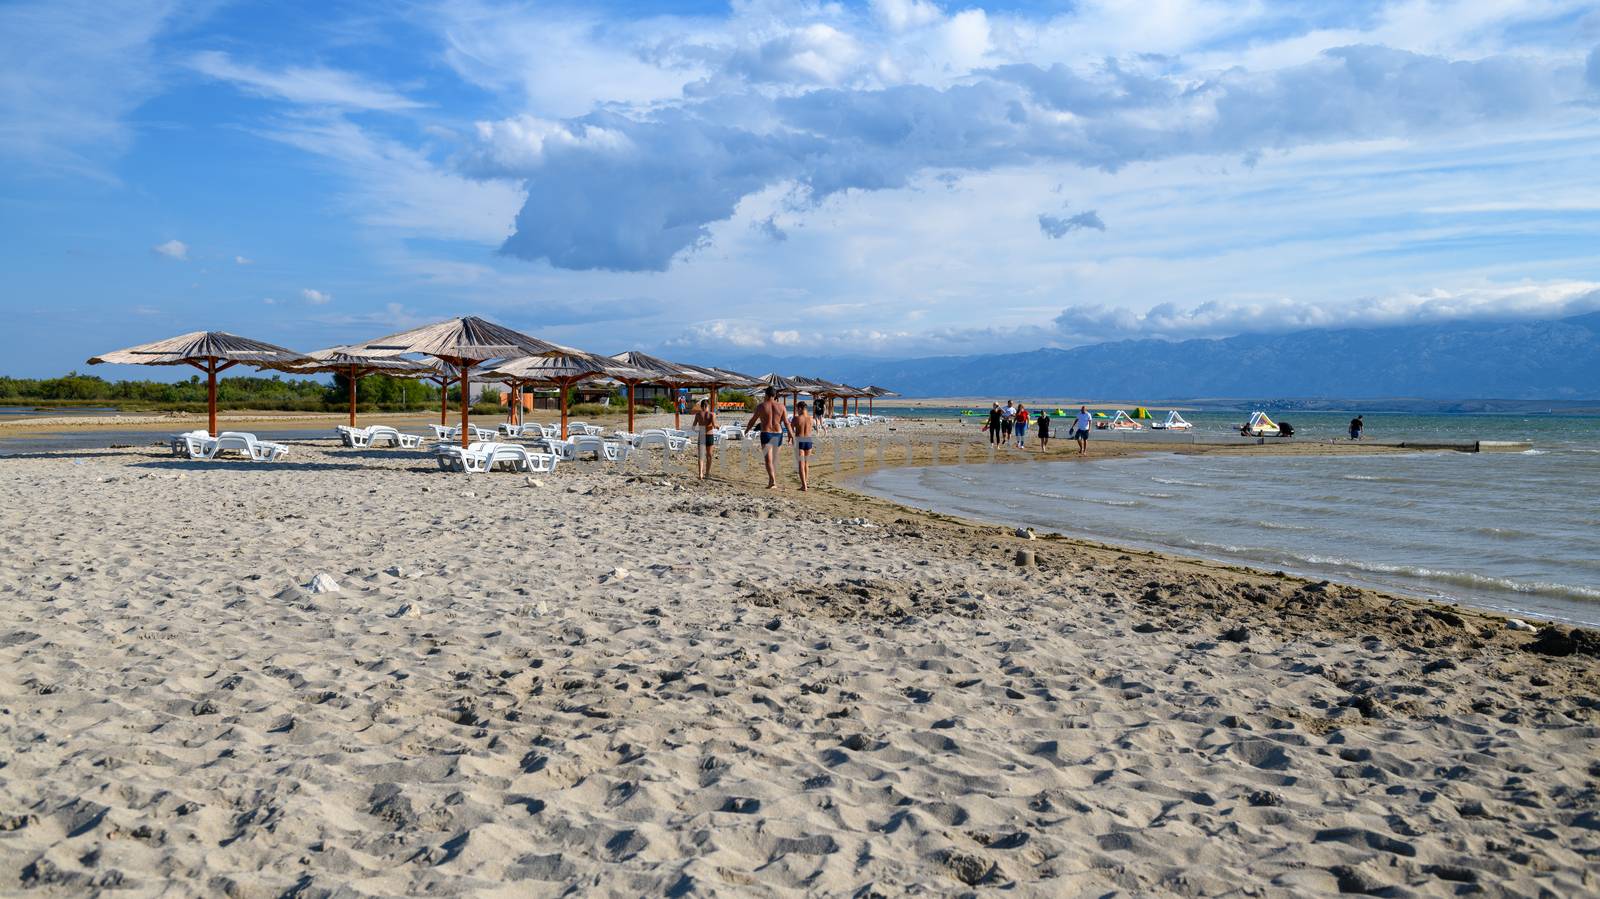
(464, 343)
(782, 385)
(563, 370)
(670, 375)
(875, 391)
(210, 351)
(720, 377)
(354, 365)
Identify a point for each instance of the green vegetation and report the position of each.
(276, 393)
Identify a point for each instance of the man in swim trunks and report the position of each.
(800, 426)
(705, 430)
(1080, 429)
(770, 417)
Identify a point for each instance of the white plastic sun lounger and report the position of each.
(662, 437)
(241, 442)
(485, 456)
(607, 450)
(391, 436)
(356, 438)
(185, 444)
(445, 432)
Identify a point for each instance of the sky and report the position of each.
(704, 180)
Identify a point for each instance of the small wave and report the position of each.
(1123, 502)
(1156, 495)
(1504, 533)
(1373, 477)
(1535, 452)
(1459, 578)
(1177, 483)
(1281, 526)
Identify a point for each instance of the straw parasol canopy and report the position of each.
(671, 375)
(782, 385)
(563, 369)
(463, 342)
(354, 365)
(875, 392)
(210, 351)
(721, 377)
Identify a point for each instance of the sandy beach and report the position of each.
(621, 681)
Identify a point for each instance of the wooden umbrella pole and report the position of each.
(563, 410)
(352, 376)
(444, 401)
(677, 416)
(211, 395)
(630, 386)
(466, 402)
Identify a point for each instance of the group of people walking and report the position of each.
(774, 423)
(1008, 425)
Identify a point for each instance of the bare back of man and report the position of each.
(769, 419)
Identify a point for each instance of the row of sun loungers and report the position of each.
(851, 421)
(490, 448)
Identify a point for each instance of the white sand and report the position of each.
(763, 701)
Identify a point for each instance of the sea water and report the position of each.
(1514, 532)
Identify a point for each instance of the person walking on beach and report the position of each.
(770, 417)
(1008, 419)
(800, 426)
(705, 428)
(1356, 424)
(1080, 430)
(994, 424)
(1044, 430)
(1022, 427)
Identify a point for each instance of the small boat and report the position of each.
(1174, 422)
(1259, 425)
(1122, 421)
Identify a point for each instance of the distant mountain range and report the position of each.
(1544, 360)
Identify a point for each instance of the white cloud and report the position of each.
(1084, 324)
(172, 249)
(308, 85)
(685, 166)
(71, 72)
(905, 15)
(240, 260)
(316, 297)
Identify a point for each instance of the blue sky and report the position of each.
(705, 179)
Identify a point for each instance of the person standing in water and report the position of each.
(1021, 428)
(705, 428)
(1080, 429)
(770, 418)
(994, 424)
(1008, 420)
(1356, 425)
(1044, 430)
(800, 426)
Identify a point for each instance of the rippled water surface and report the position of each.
(1506, 531)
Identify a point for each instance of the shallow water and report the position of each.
(1513, 532)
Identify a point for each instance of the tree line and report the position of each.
(274, 392)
